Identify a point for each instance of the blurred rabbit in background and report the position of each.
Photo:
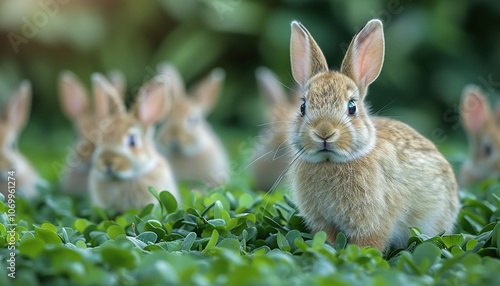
(76, 106)
(270, 155)
(14, 116)
(185, 138)
(125, 162)
(482, 126)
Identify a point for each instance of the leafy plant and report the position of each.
(233, 236)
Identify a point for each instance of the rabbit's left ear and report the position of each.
(365, 55)
(18, 107)
(152, 103)
(206, 92)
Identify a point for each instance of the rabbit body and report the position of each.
(370, 177)
(377, 197)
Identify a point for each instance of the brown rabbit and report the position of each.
(270, 156)
(369, 177)
(186, 139)
(75, 103)
(483, 129)
(125, 162)
(14, 117)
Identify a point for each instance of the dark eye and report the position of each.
(132, 140)
(487, 150)
(351, 107)
(303, 108)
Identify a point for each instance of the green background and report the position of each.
(433, 49)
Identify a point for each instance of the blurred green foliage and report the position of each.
(433, 48)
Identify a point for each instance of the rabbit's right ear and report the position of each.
(72, 94)
(18, 107)
(117, 79)
(153, 102)
(475, 109)
(306, 57)
(107, 100)
(173, 79)
(270, 86)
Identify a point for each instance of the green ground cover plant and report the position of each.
(233, 236)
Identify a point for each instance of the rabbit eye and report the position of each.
(351, 107)
(132, 142)
(303, 108)
(487, 150)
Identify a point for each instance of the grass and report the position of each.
(229, 236)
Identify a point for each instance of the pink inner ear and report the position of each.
(300, 55)
(151, 106)
(474, 112)
(75, 101)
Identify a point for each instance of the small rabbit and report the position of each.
(125, 162)
(482, 126)
(270, 157)
(15, 115)
(75, 103)
(369, 177)
(186, 139)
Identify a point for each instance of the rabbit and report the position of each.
(15, 114)
(125, 161)
(185, 138)
(76, 106)
(482, 126)
(371, 178)
(270, 159)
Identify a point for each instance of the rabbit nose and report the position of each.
(324, 137)
(107, 161)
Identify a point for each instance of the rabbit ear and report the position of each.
(172, 79)
(107, 100)
(365, 55)
(73, 96)
(117, 79)
(206, 91)
(152, 103)
(306, 57)
(18, 107)
(270, 86)
(475, 109)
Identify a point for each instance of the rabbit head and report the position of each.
(185, 131)
(336, 127)
(482, 126)
(14, 117)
